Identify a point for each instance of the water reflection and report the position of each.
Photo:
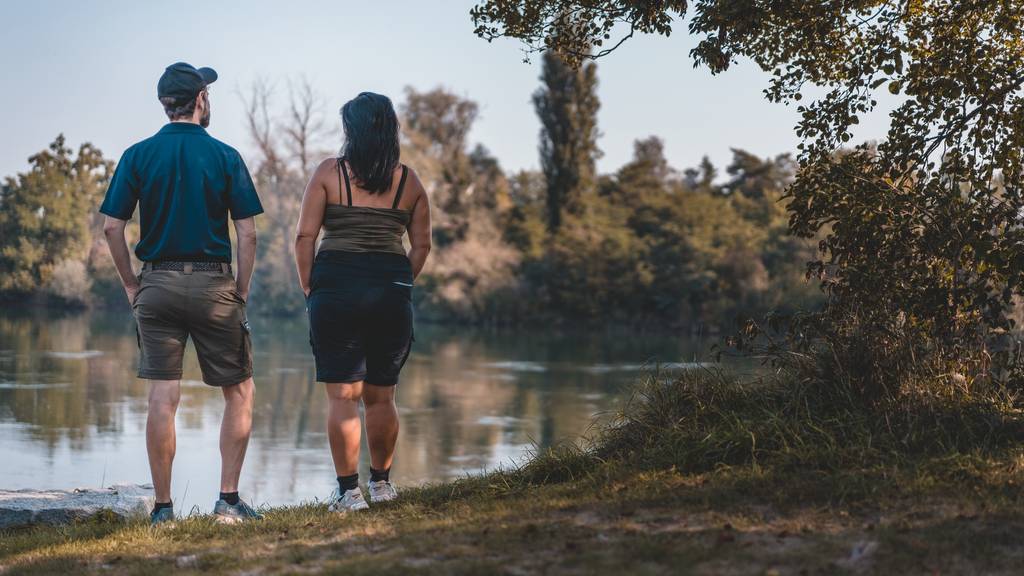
(73, 414)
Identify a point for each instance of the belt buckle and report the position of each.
(188, 268)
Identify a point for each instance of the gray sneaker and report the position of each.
(382, 491)
(348, 501)
(161, 516)
(225, 513)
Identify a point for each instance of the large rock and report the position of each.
(28, 507)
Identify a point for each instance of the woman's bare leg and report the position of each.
(343, 426)
(381, 425)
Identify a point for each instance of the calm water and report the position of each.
(72, 413)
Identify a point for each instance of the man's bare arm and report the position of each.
(245, 231)
(113, 229)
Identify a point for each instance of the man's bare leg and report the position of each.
(234, 432)
(160, 436)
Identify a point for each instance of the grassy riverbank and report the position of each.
(699, 474)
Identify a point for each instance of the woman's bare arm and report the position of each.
(419, 227)
(311, 217)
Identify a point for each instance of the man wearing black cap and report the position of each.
(186, 184)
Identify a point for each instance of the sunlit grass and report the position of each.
(697, 469)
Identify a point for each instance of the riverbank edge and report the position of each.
(711, 328)
(609, 507)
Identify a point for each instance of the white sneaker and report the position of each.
(349, 501)
(381, 491)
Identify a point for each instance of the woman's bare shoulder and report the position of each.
(413, 183)
(326, 169)
(327, 165)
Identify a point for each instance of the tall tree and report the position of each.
(304, 126)
(648, 172)
(443, 117)
(702, 177)
(45, 217)
(567, 105)
(436, 127)
(490, 191)
(288, 142)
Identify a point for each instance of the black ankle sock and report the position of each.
(161, 505)
(229, 497)
(348, 482)
(379, 475)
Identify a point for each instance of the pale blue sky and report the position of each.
(89, 69)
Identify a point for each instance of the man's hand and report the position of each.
(243, 294)
(131, 290)
(113, 229)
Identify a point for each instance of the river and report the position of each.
(73, 414)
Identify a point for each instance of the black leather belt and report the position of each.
(189, 267)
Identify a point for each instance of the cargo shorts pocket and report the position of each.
(246, 343)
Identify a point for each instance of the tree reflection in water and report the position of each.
(73, 414)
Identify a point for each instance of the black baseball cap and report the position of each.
(183, 81)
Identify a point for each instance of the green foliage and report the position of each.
(921, 251)
(654, 249)
(577, 30)
(594, 268)
(526, 224)
(923, 244)
(47, 221)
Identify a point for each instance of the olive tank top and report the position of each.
(363, 228)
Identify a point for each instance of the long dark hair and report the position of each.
(371, 140)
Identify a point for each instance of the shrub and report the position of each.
(70, 281)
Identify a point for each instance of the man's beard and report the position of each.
(205, 120)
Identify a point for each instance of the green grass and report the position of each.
(699, 474)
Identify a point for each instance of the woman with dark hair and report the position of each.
(359, 288)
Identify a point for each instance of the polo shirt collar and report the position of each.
(182, 128)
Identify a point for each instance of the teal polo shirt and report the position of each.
(186, 184)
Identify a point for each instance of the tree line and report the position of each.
(647, 245)
(921, 248)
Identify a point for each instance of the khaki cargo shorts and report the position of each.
(173, 305)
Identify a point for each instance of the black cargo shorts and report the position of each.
(172, 305)
(360, 316)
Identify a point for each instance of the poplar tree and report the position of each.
(567, 105)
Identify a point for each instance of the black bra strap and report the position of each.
(401, 185)
(342, 171)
